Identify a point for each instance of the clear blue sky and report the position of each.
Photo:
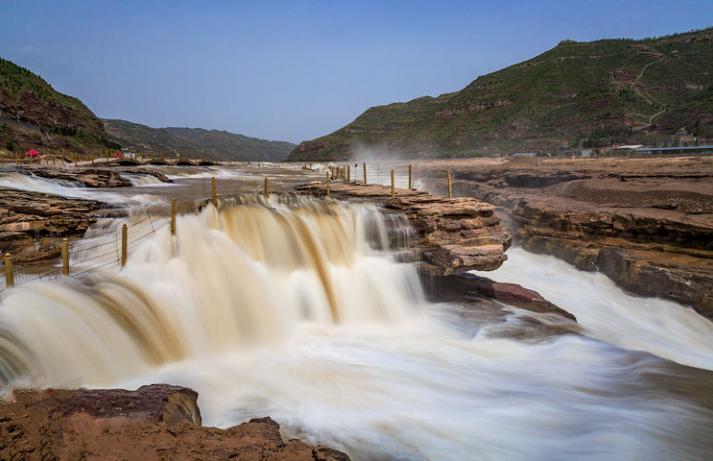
(295, 70)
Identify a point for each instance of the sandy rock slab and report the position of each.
(94, 177)
(33, 223)
(454, 235)
(155, 422)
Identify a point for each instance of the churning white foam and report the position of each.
(654, 325)
(298, 313)
(73, 189)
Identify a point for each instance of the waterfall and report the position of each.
(299, 310)
(73, 189)
(241, 277)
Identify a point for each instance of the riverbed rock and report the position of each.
(155, 422)
(86, 177)
(33, 223)
(94, 177)
(458, 287)
(453, 235)
(645, 223)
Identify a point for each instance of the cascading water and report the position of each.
(655, 325)
(72, 189)
(298, 311)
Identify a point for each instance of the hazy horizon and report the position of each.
(297, 70)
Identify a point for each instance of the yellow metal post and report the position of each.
(328, 178)
(410, 177)
(9, 271)
(65, 256)
(365, 174)
(266, 188)
(124, 244)
(450, 186)
(214, 191)
(393, 184)
(173, 216)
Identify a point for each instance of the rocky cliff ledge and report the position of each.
(155, 422)
(32, 223)
(645, 223)
(453, 235)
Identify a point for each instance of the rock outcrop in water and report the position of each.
(453, 235)
(645, 223)
(94, 177)
(32, 222)
(155, 422)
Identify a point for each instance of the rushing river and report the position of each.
(300, 312)
(655, 325)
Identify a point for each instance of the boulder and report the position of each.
(155, 422)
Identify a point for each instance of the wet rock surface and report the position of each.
(453, 235)
(94, 177)
(645, 223)
(463, 286)
(155, 422)
(33, 223)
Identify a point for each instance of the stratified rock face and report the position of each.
(645, 223)
(28, 218)
(86, 177)
(454, 234)
(155, 422)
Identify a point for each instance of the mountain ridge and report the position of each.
(35, 115)
(188, 142)
(575, 95)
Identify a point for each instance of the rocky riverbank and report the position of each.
(155, 422)
(94, 177)
(645, 223)
(32, 224)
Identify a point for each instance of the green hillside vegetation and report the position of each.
(572, 96)
(195, 142)
(34, 115)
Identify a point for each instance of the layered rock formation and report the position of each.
(155, 422)
(31, 223)
(94, 177)
(453, 235)
(646, 223)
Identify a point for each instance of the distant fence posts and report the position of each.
(173, 216)
(327, 183)
(410, 177)
(9, 272)
(124, 243)
(266, 188)
(349, 174)
(214, 192)
(365, 174)
(65, 256)
(393, 184)
(450, 186)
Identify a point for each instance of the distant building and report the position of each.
(523, 154)
(675, 150)
(126, 154)
(586, 153)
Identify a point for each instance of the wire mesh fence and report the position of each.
(99, 249)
